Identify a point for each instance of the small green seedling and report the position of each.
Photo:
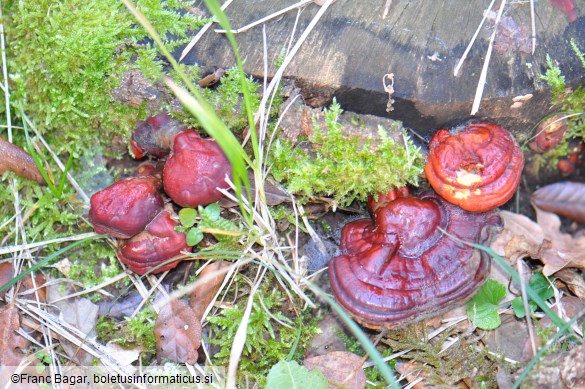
(482, 309)
(542, 286)
(206, 220)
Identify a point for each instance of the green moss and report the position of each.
(136, 332)
(570, 102)
(346, 168)
(65, 57)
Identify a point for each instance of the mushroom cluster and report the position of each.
(400, 267)
(408, 262)
(133, 209)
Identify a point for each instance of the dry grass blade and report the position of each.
(76, 337)
(533, 25)
(201, 32)
(241, 333)
(27, 246)
(266, 18)
(529, 324)
(486, 63)
(464, 56)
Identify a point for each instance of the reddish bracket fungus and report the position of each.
(478, 168)
(158, 243)
(124, 208)
(194, 170)
(155, 135)
(400, 268)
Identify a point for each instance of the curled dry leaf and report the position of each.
(541, 240)
(341, 368)
(563, 198)
(17, 160)
(11, 343)
(177, 332)
(204, 292)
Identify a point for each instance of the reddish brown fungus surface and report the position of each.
(478, 168)
(155, 135)
(158, 243)
(399, 267)
(194, 171)
(549, 134)
(124, 208)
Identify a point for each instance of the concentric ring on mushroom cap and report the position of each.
(382, 285)
(477, 169)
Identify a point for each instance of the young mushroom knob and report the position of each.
(194, 170)
(124, 208)
(400, 267)
(157, 244)
(477, 168)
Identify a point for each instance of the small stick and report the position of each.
(203, 30)
(266, 18)
(464, 56)
(486, 63)
(533, 23)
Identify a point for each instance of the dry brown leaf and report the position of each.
(6, 274)
(204, 293)
(541, 240)
(563, 198)
(11, 343)
(341, 368)
(178, 333)
(28, 287)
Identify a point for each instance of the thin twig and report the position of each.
(266, 18)
(386, 8)
(486, 63)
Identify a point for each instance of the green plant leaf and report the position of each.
(194, 236)
(482, 309)
(213, 211)
(289, 374)
(187, 217)
(541, 285)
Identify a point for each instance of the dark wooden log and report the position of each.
(352, 47)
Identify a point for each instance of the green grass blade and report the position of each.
(222, 19)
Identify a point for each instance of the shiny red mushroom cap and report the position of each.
(400, 268)
(478, 168)
(124, 208)
(194, 171)
(158, 243)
